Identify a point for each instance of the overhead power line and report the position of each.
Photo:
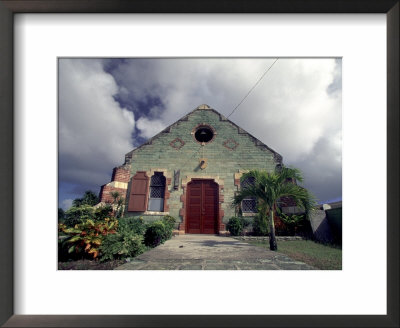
(259, 80)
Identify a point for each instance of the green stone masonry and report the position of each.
(231, 151)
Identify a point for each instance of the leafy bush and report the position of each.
(291, 223)
(236, 225)
(169, 222)
(123, 244)
(155, 234)
(159, 231)
(294, 224)
(260, 225)
(103, 212)
(135, 225)
(85, 238)
(77, 215)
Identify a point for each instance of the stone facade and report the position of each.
(178, 154)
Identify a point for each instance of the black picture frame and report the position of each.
(7, 10)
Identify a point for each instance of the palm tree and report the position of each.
(269, 188)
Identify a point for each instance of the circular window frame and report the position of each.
(200, 126)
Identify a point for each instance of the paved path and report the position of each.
(209, 252)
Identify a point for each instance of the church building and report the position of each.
(191, 171)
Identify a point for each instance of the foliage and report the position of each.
(118, 202)
(292, 222)
(76, 215)
(86, 237)
(103, 212)
(155, 234)
(159, 231)
(260, 224)
(236, 225)
(269, 188)
(169, 221)
(123, 244)
(61, 214)
(291, 219)
(89, 234)
(77, 202)
(88, 198)
(132, 224)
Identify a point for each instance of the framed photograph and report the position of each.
(35, 35)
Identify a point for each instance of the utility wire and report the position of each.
(259, 80)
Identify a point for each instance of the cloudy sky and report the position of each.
(107, 107)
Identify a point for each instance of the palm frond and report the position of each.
(268, 188)
(287, 173)
(301, 196)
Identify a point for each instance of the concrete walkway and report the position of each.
(209, 252)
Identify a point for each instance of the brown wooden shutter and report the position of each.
(139, 189)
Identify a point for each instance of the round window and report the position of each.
(204, 134)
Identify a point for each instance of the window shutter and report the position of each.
(138, 195)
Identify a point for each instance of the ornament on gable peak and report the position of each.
(204, 106)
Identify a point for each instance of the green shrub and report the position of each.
(123, 244)
(236, 225)
(154, 234)
(158, 232)
(84, 239)
(103, 212)
(133, 224)
(292, 223)
(77, 215)
(260, 225)
(169, 221)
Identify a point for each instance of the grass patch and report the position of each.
(320, 256)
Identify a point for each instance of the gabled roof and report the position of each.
(257, 142)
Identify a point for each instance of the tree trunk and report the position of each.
(272, 240)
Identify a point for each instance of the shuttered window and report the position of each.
(249, 204)
(157, 192)
(138, 194)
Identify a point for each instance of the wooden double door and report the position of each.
(202, 207)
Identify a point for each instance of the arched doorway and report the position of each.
(202, 207)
